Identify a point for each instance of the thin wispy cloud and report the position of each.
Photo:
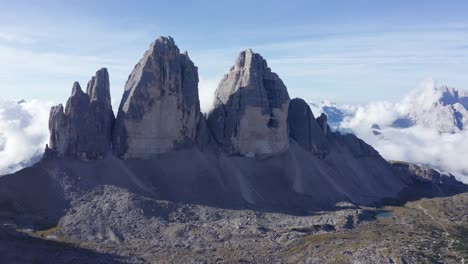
(313, 60)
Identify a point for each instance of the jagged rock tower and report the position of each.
(250, 109)
(160, 109)
(83, 129)
(305, 129)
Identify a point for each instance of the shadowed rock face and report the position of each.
(322, 121)
(250, 109)
(83, 129)
(160, 108)
(415, 172)
(304, 129)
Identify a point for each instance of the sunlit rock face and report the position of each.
(250, 109)
(83, 128)
(160, 108)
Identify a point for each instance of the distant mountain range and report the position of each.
(443, 109)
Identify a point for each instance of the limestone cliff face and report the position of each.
(305, 129)
(160, 109)
(250, 109)
(83, 128)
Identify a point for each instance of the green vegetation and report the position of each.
(425, 231)
(54, 231)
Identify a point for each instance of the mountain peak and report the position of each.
(160, 108)
(98, 87)
(76, 89)
(83, 130)
(251, 107)
(251, 61)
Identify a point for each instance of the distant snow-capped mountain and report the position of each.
(442, 108)
(429, 126)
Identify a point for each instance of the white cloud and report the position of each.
(206, 90)
(422, 143)
(442, 151)
(23, 133)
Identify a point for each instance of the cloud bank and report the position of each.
(23, 133)
(422, 143)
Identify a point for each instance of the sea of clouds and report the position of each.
(23, 133)
(420, 144)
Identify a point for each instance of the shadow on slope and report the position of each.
(294, 182)
(18, 247)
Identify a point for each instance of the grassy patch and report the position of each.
(460, 234)
(47, 232)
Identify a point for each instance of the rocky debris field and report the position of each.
(110, 224)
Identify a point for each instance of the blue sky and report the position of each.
(346, 51)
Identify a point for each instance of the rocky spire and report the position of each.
(160, 108)
(250, 109)
(304, 129)
(98, 87)
(323, 123)
(83, 128)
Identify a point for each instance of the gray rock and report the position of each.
(355, 145)
(250, 109)
(83, 129)
(160, 109)
(425, 174)
(304, 129)
(323, 123)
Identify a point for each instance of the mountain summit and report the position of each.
(160, 109)
(83, 128)
(250, 109)
(442, 108)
